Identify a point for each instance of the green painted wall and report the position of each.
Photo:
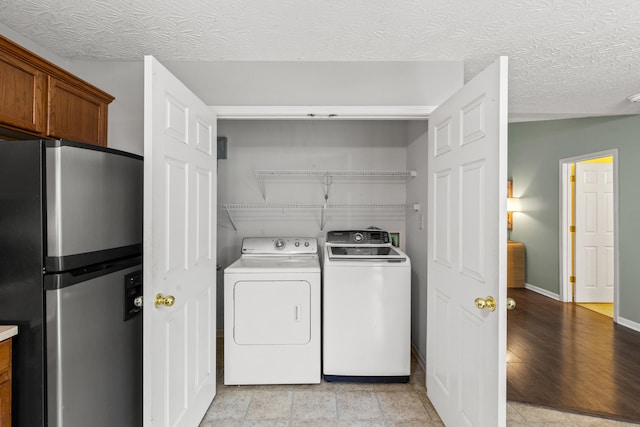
(535, 149)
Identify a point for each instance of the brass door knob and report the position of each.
(511, 303)
(167, 301)
(487, 303)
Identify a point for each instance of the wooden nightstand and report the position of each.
(515, 264)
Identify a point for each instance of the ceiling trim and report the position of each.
(344, 112)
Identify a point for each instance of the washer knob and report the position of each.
(280, 244)
(358, 237)
(297, 244)
(306, 244)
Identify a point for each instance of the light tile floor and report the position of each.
(355, 405)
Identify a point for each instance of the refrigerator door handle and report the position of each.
(56, 281)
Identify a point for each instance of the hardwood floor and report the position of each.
(567, 357)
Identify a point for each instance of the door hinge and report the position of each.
(573, 178)
(572, 228)
(572, 279)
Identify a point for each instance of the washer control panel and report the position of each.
(279, 245)
(359, 237)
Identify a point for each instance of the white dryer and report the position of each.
(272, 313)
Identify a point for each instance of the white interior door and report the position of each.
(594, 232)
(467, 243)
(179, 251)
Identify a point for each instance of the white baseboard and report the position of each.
(541, 291)
(629, 323)
(419, 357)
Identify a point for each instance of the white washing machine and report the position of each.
(366, 308)
(272, 313)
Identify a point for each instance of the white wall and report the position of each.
(315, 145)
(414, 83)
(416, 228)
(124, 81)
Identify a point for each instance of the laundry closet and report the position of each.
(305, 177)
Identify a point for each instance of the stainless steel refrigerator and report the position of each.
(70, 278)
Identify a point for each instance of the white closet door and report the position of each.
(179, 252)
(467, 244)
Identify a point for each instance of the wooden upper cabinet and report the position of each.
(76, 114)
(39, 98)
(22, 95)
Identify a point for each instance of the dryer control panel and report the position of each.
(279, 245)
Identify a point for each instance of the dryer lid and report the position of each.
(275, 264)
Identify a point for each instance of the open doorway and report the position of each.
(589, 231)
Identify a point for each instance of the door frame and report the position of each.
(323, 112)
(565, 222)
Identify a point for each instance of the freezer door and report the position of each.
(93, 204)
(94, 355)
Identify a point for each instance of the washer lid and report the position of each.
(366, 253)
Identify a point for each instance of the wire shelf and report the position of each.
(312, 206)
(335, 173)
(254, 206)
(329, 175)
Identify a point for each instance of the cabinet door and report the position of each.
(76, 114)
(5, 383)
(5, 404)
(22, 95)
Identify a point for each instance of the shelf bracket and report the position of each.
(326, 184)
(233, 224)
(263, 187)
(322, 216)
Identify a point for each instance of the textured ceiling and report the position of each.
(567, 57)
